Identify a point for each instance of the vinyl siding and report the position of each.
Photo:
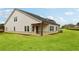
(22, 20)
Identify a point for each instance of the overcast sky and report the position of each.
(60, 15)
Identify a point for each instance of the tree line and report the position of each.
(71, 26)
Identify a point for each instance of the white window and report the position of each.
(25, 28)
(56, 28)
(51, 28)
(28, 28)
(15, 19)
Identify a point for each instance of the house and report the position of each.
(25, 22)
(71, 26)
(68, 26)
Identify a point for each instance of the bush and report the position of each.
(74, 29)
(60, 31)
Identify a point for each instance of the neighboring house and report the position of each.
(68, 26)
(71, 26)
(25, 22)
(77, 25)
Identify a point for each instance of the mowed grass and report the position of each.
(66, 41)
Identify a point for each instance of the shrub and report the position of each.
(60, 31)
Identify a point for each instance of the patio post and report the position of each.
(42, 28)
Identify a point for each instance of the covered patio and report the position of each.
(38, 28)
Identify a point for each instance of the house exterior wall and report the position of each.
(27, 20)
(22, 20)
(46, 29)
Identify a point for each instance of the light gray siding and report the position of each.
(27, 20)
(22, 20)
(46, 29)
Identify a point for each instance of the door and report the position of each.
(37, 28)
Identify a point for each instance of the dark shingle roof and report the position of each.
(38, 17)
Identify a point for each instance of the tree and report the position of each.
(1, 27)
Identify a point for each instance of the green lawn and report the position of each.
(68, 40)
